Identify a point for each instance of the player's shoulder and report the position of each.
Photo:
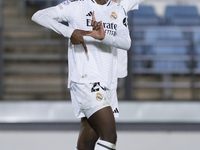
(113, 4)
(71, 2)
(117, 6)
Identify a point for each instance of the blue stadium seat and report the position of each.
(138, 35)
(169, 65)
(137, 49)
(145, 10)
(196, 35)
(196, 40)
(170, 50)
(197, 49)
(137, 64)
(166, 33)
(144, 16)
(140, 64)
(182, 15)
(198, 64)
(185, 21)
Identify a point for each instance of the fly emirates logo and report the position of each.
(109, 28)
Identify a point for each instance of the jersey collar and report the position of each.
(107, 4)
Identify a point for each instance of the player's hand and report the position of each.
(77, 38)
(98, 30)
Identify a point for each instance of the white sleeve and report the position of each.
(130, 4)
(50, 18)
(122, 38)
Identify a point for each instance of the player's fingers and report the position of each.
(84, 46)
(101, 26)
(93, 17)
(98, 25)
(95, 25)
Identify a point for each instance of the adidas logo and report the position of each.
(89, 14)
(116, 110)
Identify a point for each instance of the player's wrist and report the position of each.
(102, 38)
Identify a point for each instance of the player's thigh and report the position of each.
(104, 122)
(87, 136)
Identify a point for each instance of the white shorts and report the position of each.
(89, 98)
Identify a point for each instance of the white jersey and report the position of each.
(122, 55)
(100, 64)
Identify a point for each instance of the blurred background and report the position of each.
(159, 99)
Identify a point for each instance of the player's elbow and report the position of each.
(128, 44)
(35, 16)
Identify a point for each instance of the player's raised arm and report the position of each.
(121, 40)
(98, 30)
(50, 18)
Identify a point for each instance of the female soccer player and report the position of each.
(97, 27)
(91, 138)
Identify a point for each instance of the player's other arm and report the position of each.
(49, 18)
(122, 41)
(122, 38)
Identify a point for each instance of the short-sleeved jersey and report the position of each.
(100, 64)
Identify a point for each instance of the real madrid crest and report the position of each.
(99, 97)
(113, 15)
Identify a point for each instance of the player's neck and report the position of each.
(101, 2)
